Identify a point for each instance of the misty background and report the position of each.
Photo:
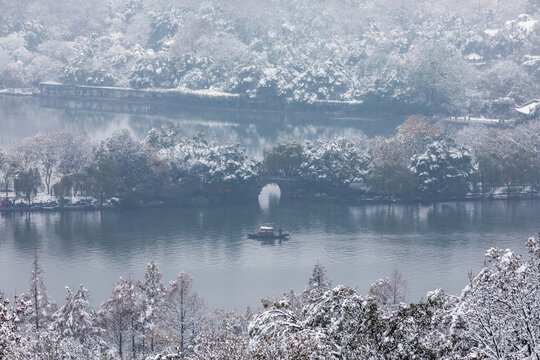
(459, 57)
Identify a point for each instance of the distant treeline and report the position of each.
(496, 316)
(410, 56)
(421, 162)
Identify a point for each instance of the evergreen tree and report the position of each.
(318, 282)
(43, 308)
(152, 304)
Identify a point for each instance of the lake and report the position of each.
(21, 117)
(432, 245)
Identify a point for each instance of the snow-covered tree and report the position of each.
(337, 161)
(43, 149)
(43, 308)
(318, 282)
(75, 323)
(202, 162)
(152, 305)
(389, 291)
(184, 315)
(118, 317)
(497, 315)
(8, 168)
(76, 318)
(443, 170)
(225, 337)
(14, 343)
(163, 138)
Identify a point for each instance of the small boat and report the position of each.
(268, 232)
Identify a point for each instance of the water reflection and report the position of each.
(23, 117)
(432, 245)
(269, 196)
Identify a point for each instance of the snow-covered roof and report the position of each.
(528, 107)
(491, 32)
(474, 56)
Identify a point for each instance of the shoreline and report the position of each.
(42, 208)
(150, 100)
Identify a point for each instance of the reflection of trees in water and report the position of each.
(444, 218)
(26, 231)
(23, 117)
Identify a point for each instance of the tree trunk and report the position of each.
(36, 307)
(120, 344)
(6, 181)
(133, 337)
(182, 319)
(48, 174)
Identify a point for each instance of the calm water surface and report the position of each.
(23, 117)
(432, 245)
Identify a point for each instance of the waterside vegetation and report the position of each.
(421, 162)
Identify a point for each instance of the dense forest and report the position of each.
(423, 161)
(496, 316)
(463, 57)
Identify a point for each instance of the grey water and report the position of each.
(21, 117)
(432, 245)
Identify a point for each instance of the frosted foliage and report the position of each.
(318, 282)
(118, 317)
(389, 291)
(13, 342)
(420, 56)
(443, 169)
(153, 304)
(43, 307)
(75, 317)
(185, 313)
(498, 316)
(338, 161)
(208, 162)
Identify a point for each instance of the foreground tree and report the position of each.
(498, 315)
(118, 316)
(185, 313)
(43, 307)
(153, 305)
(318, 282)
(14, 343)
(389, 291)
(76, 324)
